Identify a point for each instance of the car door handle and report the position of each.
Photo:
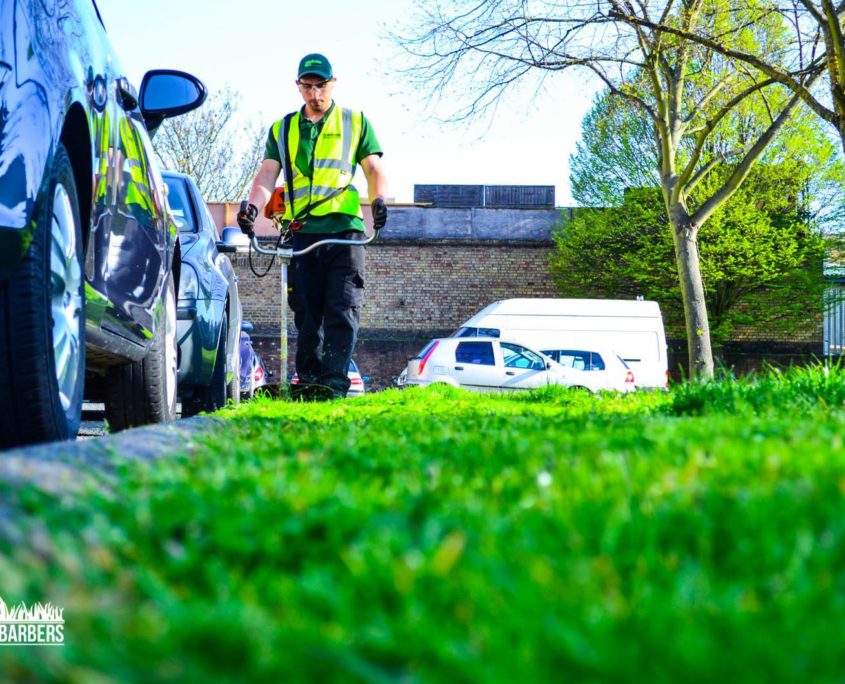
(509, 373)
(459, 367)
(127, 96)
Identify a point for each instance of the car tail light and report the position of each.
(356, 381)
(425, 358)
(629, 376)
(259, 374)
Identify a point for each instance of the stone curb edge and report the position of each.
(65, 466)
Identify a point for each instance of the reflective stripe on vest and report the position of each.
(333, 165)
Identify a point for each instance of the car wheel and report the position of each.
(213, 396)
(43, 306)
(249, 391)
(144, 392)
(215, 393)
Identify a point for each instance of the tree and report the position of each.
(817, 47)
(209, 145)
(763, 261)
(760, 252)
(686, 92)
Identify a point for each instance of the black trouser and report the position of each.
(326, 292)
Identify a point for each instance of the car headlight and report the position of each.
(189, 285)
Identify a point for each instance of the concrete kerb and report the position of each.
(64, 467)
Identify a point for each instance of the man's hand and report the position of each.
(246, 217)
(379, 213)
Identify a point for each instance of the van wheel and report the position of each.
(144, 392)
(42, 329)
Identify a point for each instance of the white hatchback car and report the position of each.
(495, 365)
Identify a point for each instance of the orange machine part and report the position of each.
(276, 205)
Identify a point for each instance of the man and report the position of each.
(318, 148)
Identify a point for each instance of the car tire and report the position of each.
(213, 396)
(233, 387)
(249, 392)
(144, 392)
(43, 306)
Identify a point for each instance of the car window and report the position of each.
(480, 353)
(352, 367)
(579, 359)
(516, 356)
(180, 206)
(209, 222)
(426, 349)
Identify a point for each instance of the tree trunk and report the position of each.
(695, 307)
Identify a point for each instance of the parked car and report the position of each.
(254, 373)
(358, 383)
(208, 314)
(87, 246)
(495, 365)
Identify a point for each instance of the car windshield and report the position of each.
(516, 356)
(180, 205)
(426, 349)
(476, 332)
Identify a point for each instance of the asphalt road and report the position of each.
(92, 421)
(93, 417)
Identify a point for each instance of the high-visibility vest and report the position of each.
(333, 167)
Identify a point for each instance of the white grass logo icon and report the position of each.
(41, 625)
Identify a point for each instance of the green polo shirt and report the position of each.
(308, 132)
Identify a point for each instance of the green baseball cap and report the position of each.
(315, 65)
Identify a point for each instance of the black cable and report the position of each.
(272, 260)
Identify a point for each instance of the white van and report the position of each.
(632, 328)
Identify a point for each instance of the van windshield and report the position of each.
(476, 332)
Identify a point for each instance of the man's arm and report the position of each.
(376, 181)
(264, 183)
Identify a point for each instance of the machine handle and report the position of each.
(287, 252)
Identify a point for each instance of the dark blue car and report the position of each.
(208, 316)
(88, 249)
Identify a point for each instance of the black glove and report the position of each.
(379, 213)
(246, 217)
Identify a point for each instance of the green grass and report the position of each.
(441, 536)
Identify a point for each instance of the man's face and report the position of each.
(316, 92)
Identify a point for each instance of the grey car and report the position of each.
(208, 313)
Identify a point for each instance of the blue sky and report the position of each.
(255, 45)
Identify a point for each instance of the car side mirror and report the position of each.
(166, 93)
(548, 365)
(234, 240)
